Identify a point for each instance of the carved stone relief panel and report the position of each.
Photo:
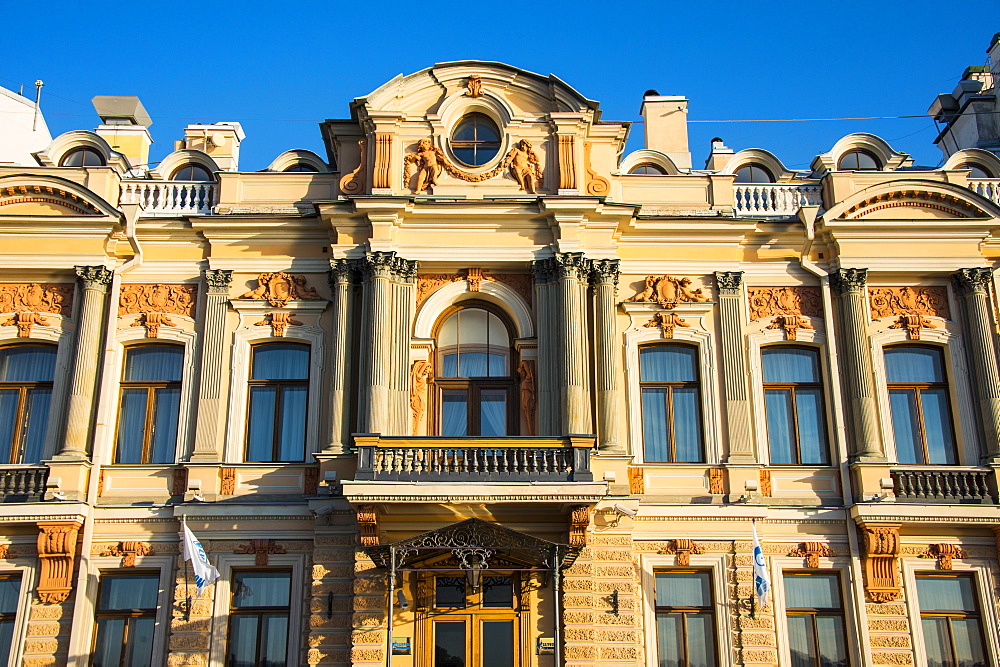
(423, 166)
(526, 374)
(28, 301)
(790, 306)
(881, 553)
(668, 291)
(419, 374)
(280, 288)
(56, 552)
(911, 306)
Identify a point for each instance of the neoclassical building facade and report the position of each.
(476, 389)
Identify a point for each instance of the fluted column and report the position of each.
(547, 370)
(604, 278)
(340, 290)
(93, 282)
(572, 277)
(375, 413)
(974, 286)
(213, 342)
(734, 366)
(857, 377)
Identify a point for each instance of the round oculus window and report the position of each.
(476, 140)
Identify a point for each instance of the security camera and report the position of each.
(401, 600)
(625, 511)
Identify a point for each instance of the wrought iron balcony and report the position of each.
(22, 485)
(944, 485)
(775, 199)
(473, 459)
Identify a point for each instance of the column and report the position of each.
(734, 366)
(547, 369)
(213, 341)
(974, 286)
(340, 290)
(93, 286)
(571, 269)
(859, 383)
(604, 279)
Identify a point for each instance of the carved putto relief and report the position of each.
(280, 288)
(427, 162)
(28, 301)
(790, 306)
(154, 304)
(668, 291)
(910, 305)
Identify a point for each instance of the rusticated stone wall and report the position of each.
(331, 606)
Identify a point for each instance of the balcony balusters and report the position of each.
(943, 486)
(170, 197)
(986, 187)
(775, 199)
(23, 484)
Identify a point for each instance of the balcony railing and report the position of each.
(473, 459)
(775, 199)
(170, 197)
(987, 187)
(943, 486)
(22, 485)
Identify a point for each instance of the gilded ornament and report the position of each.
(280, 288)
(668, 291)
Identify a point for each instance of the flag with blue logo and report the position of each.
(761, 579)
(204, 572)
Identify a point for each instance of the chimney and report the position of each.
(665, 119)
(720, 155)
(125, 126)
(220, 140)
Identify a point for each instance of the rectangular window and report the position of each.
(10, 593)
(919, 404)
(685, 624)
(949, 617)
(671, 404)
(279, 393)
(793, 401)
(258, 619)
(149, 404)
(815, 616)
(126, 616)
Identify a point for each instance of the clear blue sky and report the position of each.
(281, 67)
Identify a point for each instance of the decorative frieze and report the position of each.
(667, 322)
(280, 288)
(28, 301)
(261, 549)
(683, 549)
(894, 301)
(943, 553)
(56, 551)
(812, 551)
(880, 560)
(128, 551)
(668, 291)
(279, 323)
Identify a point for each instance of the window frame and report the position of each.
(154, 612)
(10, 567)
(861, 151)
(16, 454)
(259, 611)
(475, 144)
(151, 388)
(474, 386)
(916, 387)
(83, 150)
(814, 612)
(752, 166)
(657, 170)
(192, 165)
(670, 386)
(279, 385)
(824, 418)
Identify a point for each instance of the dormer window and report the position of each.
(753, 173)
(647, 169)
(858, 160)
(301, 167)
(83, 157)
(976, 172)
(476, 140)
(192, 172)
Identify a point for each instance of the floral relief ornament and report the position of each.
(668, 291)
(155, 303)
(280, 288)
(28, 301)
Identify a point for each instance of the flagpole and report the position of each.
(753, 592)
(187, 576)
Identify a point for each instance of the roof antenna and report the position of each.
(38, 96)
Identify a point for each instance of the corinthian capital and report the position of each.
(571, 265)
(849, 280)
(92, 277)
(604, 271)
(218, 280)
(729, 282)
(971, 281)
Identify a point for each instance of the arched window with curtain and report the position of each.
(671, 404)
(279, 392)
(920, 405)
(793, 400)
(149, 404)
(474, 378)
(26, 374)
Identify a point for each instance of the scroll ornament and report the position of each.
(667, 323)
(474, 86)
(668, 291)
(428, 161)
(790, 307)
(944, 553)
(880, 560)
(353, 183)
(683, 549)
(56, 552)
(129, 551)
(260, 549)
(280, 288)
(910, 306)
(28, 301)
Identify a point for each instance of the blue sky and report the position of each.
(280, 68)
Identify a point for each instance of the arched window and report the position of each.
(858, 160)
(671, 404)
(300, 167)
(976, 171)
(82, 157)
(149, 405)
(26, 373)
(753, 173)
(920, 405)
(476, 139)
(192, 172)
(475, 374)
(279, 390)
(793, 399)
(648, 169)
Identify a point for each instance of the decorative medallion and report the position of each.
(427, 162)
(280, 288)
(668, 291)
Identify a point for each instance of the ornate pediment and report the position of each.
(29, 194)
(911, 199)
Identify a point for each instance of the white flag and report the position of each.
(204, 572)
(761, 579)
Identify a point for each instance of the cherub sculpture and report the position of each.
(524, 166)
(428, 165)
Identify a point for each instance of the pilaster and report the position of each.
(548, 369)
(734, 366)
(604, 279)
(206, 442)
(340, 360)
(974, 286)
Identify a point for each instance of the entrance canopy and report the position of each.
(476, 545)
